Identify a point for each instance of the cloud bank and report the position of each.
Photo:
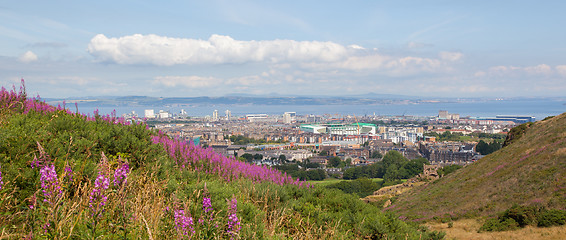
(218, 49)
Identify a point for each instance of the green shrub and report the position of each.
(523, 215)
(551, 217)
(499, 224)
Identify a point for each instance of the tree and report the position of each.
(484, 148)
(282, 158)
(334, 162)
(376, 154)
(393, 157)
(248, 157)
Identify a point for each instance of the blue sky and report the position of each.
(215, 48)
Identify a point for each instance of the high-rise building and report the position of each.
(149, 113)
(289, 117)
(215, 116)
(228, 115)
(442, 114)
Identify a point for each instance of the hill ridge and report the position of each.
(530, 171)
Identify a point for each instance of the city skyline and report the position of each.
(217, 48)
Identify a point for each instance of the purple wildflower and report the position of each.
(206, 207)
(233, 221)
(183, 223)
(32, 202)
(68, 173)
(49, 182)
(97, 197)
(121, 173)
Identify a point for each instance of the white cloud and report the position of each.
(450, 56)
(539, 69)
(187, 81)
(28, 57)
(561, 69)
(306, 56)
(218, 49)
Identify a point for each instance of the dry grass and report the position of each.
(468, 229)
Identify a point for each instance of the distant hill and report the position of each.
(529, 171)
(230, 100)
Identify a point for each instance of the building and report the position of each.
(257, 117)
(215, 116)
(164, 114)
(149, 113)
(444, 115)
(289, 117)
(340, 129)
(228, 115)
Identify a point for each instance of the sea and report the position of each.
(539, 108)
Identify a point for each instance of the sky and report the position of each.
(66, 49)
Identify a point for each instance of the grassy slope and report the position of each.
(532, 170)
(156, 184)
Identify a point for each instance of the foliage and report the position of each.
(448, 169)
(516, 133)
(376, 154)
(446, 136)
(362, 187)
(486, 148)
(334, 162)
(393, 167)
(498, 225)
(292, 169)
(521, 216)
(551, 217)
(242, 140)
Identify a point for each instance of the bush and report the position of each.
(523, 215)
(361, 186)
(499, 224)
(551, 217)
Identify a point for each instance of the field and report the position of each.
(468, 229)
(330, 181)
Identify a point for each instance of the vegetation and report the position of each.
(486, 148)
(529, 170)
(66, 175)
(448, 169)
(242, 140)
(446, 136)
(522, 216)
(309, 171)
(393, 167)
(362, 187)
(516, 133)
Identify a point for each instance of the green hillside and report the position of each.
(65, 175)
(529, 171)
